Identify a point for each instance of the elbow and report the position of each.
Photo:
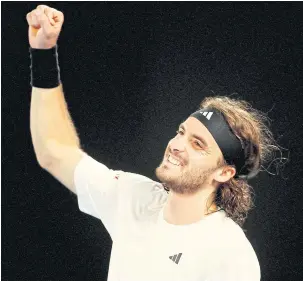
(54, 153)
(45, 157)
(44, 161)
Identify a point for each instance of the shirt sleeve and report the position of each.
(97, 191)
(244, 267)
(240, 262)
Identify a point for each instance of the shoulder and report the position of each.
(138, 182)
(238, 255)
(137, 178)
(98, 172)
(141, 189)
(235, 235)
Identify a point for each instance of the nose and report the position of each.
(177, 144)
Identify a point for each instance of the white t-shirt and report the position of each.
(146, 247)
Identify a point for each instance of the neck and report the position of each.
(181, 209)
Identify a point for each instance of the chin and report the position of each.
(166, 176)
(163, 173)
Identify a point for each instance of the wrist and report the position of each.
(45, 70)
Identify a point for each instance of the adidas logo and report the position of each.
(176, 258)
(207, 114)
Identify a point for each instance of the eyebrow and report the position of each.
(181, 126)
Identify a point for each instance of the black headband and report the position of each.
(232, 149)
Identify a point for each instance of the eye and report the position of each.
(179, 132)
(198, 143)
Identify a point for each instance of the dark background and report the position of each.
(131, 73)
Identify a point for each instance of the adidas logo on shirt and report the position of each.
(176, 258)
(207, 114)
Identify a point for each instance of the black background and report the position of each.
(131, 73)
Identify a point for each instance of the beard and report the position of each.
(182, 179)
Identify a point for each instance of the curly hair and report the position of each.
(236, 196)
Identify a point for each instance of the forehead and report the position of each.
(194, 126)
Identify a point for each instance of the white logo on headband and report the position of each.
(207, 114)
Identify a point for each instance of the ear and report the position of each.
(224, 174)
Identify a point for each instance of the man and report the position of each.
(187, 226)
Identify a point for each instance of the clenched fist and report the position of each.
(45, 24)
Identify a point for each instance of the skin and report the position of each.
(192, 184)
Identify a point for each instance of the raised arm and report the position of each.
(54, 137)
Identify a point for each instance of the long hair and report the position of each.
(250, 125)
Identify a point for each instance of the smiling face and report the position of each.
(190, 159)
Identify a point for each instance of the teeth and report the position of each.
(173, 161)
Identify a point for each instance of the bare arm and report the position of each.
(54, 137)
